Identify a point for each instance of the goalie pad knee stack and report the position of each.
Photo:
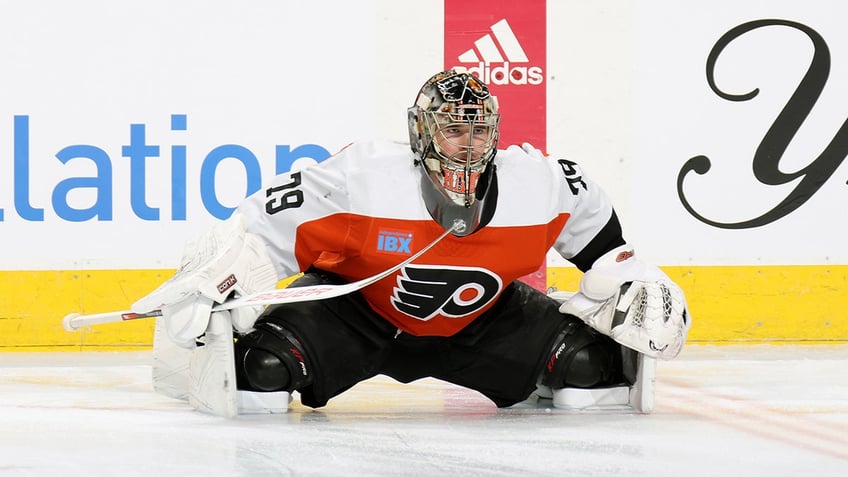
(581, 358)
(270, 358)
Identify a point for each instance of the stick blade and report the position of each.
(289, 295)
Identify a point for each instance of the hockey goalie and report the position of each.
(483, 216)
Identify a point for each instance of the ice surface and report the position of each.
(730, 410)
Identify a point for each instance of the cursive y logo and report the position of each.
(767, 156)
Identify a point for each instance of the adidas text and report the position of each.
(504, 74)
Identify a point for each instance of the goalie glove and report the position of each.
(634, 303)
(227, 259)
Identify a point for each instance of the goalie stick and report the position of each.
(75, 321)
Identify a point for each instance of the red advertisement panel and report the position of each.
(503, 42)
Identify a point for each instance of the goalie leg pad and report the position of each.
(270, 358)
(637, 394)
(582, 358)
(170, 364)
(211, 387)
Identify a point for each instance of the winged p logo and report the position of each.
(423, 292)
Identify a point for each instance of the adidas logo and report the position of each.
(491, 65)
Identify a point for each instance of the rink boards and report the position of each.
(728, 304)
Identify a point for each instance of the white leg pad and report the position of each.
(170, 364)
(639, 397)
(250, 402)
(577, 399)
(642, 393)
(212, 377)
(212, 371)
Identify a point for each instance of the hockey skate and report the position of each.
(638, 397)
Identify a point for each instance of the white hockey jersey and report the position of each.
(360, 212)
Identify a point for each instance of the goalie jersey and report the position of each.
(361, 212)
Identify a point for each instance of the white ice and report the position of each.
(720, 411)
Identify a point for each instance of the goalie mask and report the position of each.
(453, 131)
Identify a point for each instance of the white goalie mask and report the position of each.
(453, 131)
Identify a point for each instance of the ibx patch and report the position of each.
(393, 241)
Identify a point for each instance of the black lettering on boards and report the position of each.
(767, 157)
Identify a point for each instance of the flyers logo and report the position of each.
(423, 292)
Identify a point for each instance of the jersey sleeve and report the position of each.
(593, 227)
(275, 212)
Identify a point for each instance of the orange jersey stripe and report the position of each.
(444, 290)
